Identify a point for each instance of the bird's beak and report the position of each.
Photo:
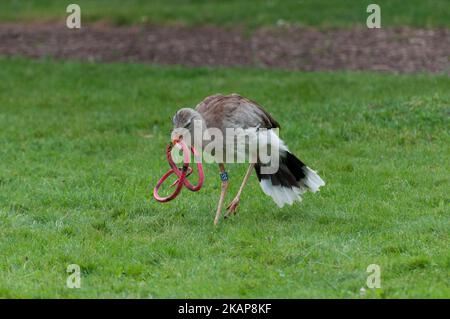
(177, 139)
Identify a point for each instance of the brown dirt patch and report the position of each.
(400, 50)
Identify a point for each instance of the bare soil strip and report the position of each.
(398, 50)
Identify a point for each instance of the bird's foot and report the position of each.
(231, 208)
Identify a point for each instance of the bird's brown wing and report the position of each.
(226, 111)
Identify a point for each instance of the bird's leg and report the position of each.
(224, 178)
(234, 204)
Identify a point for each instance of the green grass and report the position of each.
(82, 144)
(250, 14)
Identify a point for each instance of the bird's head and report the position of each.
(187, 124)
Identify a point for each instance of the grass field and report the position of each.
(81, 145)
(250, 14)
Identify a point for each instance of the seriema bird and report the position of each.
(284, 186)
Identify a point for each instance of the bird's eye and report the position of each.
(188, 124)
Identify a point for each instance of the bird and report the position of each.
(216, 115)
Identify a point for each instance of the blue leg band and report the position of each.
(224, 176)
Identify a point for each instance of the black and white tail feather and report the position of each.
(292, 179)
